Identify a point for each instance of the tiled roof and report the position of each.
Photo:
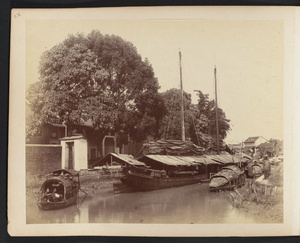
(268, 144)
(251, 139)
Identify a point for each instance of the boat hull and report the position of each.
(45, 205)
(146, 184)
(226, 186)
(228, 178)
(222, 183)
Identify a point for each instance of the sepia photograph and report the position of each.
(167, 120)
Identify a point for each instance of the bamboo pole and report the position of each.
(182, 106)
(216, 109)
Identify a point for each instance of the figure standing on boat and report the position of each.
(267, 166)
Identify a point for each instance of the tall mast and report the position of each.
(216, 109)
(182, 108)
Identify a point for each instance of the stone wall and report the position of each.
(42, 159)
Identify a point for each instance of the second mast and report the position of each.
(182, 106)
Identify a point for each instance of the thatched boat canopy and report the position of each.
(171, 147)
(119, 158)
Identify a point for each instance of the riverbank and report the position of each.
(263, 198)
(250, 199)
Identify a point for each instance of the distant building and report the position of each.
(60, 146)
(251, 144)
(238, 147)
(56, 133)
(270, 148)
(254, 141)
(48, 134)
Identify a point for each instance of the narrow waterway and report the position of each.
(193, 204)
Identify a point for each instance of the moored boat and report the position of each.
(149, 179)
(227, 178)
(253, 169)
(151, 172)
(59, 190)
(169, 163)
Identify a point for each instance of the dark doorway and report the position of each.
(93, 153)
(70, 155)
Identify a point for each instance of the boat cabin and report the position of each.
(230, 176)
(61, 186)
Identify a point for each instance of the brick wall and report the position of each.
(42, 159)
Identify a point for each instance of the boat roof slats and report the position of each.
(165, 159)
(61, 180)
(180, 160)
(199, 159)
(127, 159)
(189, 159)
(229, 172)
(218, 181)
(236, 169)
(224, 158)
(229, 175)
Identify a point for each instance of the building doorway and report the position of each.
(70, 155)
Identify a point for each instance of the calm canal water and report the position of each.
(192, 204)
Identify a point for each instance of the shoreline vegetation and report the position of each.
(260, 197)
(263, 199)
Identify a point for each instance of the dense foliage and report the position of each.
(171, 124)
(200, 119)
(204, 122)
(100, 79)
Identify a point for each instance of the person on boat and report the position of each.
(256, 169)
(250, 169)
(47, 194)
(55, 196)
(267, 166)
(251, 153)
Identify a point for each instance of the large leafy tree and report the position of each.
(204, 129)
(97, 78)
(171, 124)
(200, 121)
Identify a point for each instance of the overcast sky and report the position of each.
(248, 56)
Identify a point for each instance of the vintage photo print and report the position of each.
(157, 121)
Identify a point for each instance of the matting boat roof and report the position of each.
(173, 160)
(180, 160)
(224, 158)
(126, 158)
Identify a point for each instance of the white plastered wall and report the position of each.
(80, 153)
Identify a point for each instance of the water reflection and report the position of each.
(186, 205)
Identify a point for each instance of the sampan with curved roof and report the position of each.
(59, 190)
(229, 177)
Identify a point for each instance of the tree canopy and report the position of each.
(97, 78)
(171, 124)
(204, 122)
(199, 119)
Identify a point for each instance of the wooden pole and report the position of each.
(182, 107)
(197, 90)
(216, 109)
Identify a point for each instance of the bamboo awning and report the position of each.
(126, 158)
(179, 160)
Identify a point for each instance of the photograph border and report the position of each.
(17, 110)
